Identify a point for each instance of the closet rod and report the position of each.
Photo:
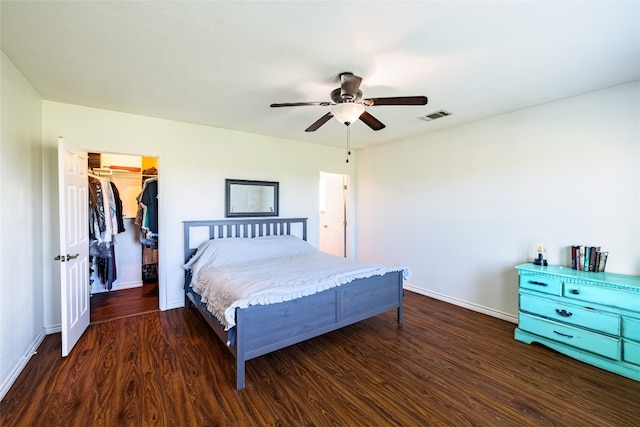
(97, 175)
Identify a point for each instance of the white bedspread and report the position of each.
(269, 270)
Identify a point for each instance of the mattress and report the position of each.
(237, 273)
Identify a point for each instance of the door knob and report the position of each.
(70, 257)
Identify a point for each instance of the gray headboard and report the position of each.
(195, 232)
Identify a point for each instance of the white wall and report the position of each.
(193, 164)
(21, 304)
(462, 206)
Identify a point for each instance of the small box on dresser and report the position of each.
(592, 317)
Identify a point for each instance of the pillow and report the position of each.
(235, 251)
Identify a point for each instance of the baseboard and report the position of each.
(54, 329)
(465, 304)
(128, 285)
(4, 388)
(174, 304)
(118, 287)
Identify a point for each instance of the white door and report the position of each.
(74, 243)
(333, 214)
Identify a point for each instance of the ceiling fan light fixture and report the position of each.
(347, 112)
(347, 104)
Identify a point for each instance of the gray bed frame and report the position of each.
(261, 329)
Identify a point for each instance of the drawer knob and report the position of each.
(575, 291)
(564, 313)
(533, 282)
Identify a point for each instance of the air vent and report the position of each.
(437, 115)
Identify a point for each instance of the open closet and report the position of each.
(123, 232)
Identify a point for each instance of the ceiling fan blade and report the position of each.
(396, 100)
(349, 85)
(371, 121)
(322, 120)
(301, 104)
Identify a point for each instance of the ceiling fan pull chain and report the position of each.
(348, 142)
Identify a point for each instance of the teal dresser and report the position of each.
(592, 317)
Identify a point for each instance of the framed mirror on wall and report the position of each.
(244, 198)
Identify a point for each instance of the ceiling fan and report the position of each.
(347, 104)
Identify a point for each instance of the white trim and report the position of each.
(128, 285)
(173, 304)
(465, 304)
(118, 287)
(22, 363)
(55, 329)
(163, 258)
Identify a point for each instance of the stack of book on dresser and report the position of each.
(588, 258)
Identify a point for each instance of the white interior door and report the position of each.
(333, 214)
(74, 243)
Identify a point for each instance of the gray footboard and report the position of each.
(262, 329)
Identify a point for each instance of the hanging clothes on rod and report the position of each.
(105, 221)
(147, 219)
(149, 200)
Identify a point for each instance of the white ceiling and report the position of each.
(222, 63)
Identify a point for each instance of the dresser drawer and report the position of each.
(540, 283)
(603, 295)
(631, 328)
(604, 322)
(631, 352)
(573, 336)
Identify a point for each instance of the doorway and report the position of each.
(334, 207)
(125, 281)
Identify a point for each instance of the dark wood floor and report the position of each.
(127, 302)
(445, 366)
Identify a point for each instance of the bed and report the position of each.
(253, 328)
